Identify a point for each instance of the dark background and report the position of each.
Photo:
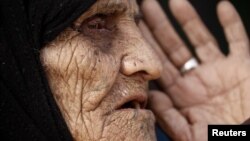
(207, 11)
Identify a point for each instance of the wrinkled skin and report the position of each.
(215, 92)
(97, 63)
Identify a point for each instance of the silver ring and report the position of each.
(189, 65)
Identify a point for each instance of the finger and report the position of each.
(204, 43)
(170, 73)
(170, 119)
(164, 33)
(233, 28)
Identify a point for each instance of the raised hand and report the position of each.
(217, 90)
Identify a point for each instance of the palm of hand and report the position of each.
(221, 85)
(214, 93)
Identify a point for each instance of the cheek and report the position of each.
(87, 72)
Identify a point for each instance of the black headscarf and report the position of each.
(28, 111)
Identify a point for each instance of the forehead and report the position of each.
(128, 7)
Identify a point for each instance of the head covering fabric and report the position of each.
(28, 111)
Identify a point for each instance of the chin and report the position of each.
(130, 125)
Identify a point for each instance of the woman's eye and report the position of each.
(97, 26)
(98, 23)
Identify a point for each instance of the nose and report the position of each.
(140, 57)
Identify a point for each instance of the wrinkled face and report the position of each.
(98, 71)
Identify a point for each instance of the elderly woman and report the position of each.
(78, 70)
(96, 63)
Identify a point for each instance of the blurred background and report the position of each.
(207, 11)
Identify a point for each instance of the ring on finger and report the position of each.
(189, 65)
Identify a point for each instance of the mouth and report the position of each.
(135, 101)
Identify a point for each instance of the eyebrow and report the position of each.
(112, 6)
(107, 7)
(119, 6)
